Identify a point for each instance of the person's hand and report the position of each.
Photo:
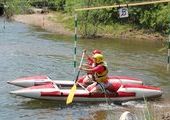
(84, 50)
(80, 67)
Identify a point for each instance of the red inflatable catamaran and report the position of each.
(124, 88)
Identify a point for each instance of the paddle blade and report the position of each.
(71, 94)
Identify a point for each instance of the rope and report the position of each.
(105, 93)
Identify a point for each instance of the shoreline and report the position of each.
(44, 21)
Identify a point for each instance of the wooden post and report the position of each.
(4, 13)
(4, 19)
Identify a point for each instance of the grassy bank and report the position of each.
(123, 31)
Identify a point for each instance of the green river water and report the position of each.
(27, 51)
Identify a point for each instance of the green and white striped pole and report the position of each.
(75, 42)
(168, 41)
(168, 54)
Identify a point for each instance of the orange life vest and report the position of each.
(102, 76)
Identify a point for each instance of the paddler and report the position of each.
(100, 73)
(89, 78)
(90, 59)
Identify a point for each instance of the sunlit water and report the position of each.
(27, 51)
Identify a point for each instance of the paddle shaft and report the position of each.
(79, 66)
(73, 89)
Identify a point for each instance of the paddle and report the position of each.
(73, 89)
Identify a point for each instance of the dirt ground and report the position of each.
(43, 21)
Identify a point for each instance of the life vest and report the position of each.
(102, 76)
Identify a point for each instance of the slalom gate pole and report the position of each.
(75, 41)
(168, 42)
(168, 54)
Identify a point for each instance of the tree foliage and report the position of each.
(153, 17)
(57, 5)
(15, 6)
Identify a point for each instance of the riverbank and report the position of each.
(45, 22)
(53, 23)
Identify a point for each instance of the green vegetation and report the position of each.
(15, 7)
(153, 18)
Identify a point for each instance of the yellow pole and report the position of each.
(122, 5)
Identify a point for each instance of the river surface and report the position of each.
(28, 51)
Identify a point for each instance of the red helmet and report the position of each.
(96, 52)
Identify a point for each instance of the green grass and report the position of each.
(113, 30)
(68, 21)
(65, 19)
(146, 112)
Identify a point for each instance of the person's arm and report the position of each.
(99, 68)
(89, 59)
(87, 66)
(93, 70)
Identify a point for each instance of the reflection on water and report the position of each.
(42, 104)
(26, 51)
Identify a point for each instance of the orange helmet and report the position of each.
(96, 52)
